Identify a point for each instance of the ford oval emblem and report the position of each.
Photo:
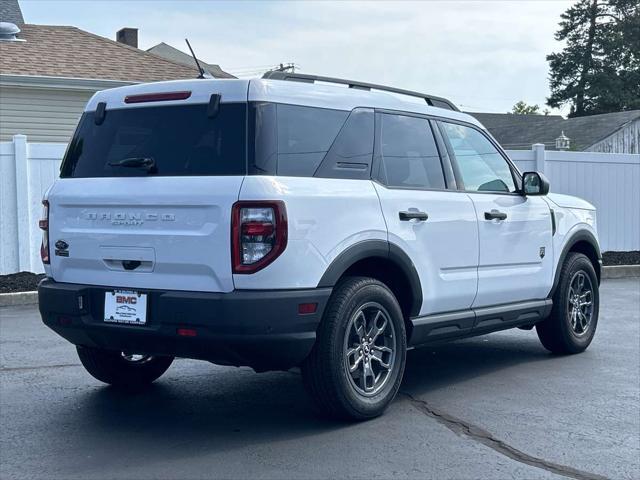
(62, 245)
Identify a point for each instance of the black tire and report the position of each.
(325, 371)
(111, 367)
(556, 333)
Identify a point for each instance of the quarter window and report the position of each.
(409, 156)
(305, 134)
(482, 167)
(292, 140)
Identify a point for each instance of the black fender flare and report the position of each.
(376, 249)
(579, 236)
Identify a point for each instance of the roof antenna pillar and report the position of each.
(203, 74)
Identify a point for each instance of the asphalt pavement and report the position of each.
(498, 406)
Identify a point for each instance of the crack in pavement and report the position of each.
(475, 433)
(38, 367)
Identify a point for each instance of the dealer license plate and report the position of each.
(125, 306)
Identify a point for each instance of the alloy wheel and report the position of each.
(580, 303)
(369, 349)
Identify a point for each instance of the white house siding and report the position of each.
(625, 140)
(44, 115)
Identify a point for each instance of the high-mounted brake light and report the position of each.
(44, 225)
(258, 234)
(157, 97)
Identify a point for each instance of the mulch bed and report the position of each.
(20, 282)
(621, 258)
(26, 281)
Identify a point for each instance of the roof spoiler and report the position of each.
(301, 77)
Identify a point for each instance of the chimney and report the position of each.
(128, 36)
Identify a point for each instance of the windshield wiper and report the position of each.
(136, 162)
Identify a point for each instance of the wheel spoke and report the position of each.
(361, 330)
(353, 366)
(584, 321)
(382, 349)
(377, 356)
(378, 330)
(367, 373)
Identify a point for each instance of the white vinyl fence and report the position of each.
(610, 181)
(26, 171)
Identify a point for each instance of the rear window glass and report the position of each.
(181, 140)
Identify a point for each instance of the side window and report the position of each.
(482, 167)
(408, 153)
(305, 135)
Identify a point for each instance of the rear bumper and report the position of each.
(261, 329)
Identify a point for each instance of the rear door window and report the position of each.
(408, 153)
(181, 140)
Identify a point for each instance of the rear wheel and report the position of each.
(123, 369)
(356, 365)
(573, 320)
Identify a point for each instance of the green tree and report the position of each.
(521, 108)
(598, 71)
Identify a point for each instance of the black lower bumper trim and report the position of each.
(261, 329)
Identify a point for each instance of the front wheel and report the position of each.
(574, 317)
(356, 366)
(123, 369)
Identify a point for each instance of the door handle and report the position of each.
(413, 215)
(495, 214)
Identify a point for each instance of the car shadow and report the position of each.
(197, 409)
(443, 366)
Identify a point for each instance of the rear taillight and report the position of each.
(258, 234)
(44, 225)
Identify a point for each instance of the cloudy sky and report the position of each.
(483, 55)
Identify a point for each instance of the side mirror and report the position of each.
(535, 183)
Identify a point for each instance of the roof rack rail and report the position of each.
(302, 77)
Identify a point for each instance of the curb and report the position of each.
(18, 298)
(31, 298)
(621, 271)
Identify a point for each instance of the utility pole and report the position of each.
(285, 68)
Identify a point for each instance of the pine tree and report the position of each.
(599, 69)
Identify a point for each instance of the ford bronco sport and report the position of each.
(302, 221)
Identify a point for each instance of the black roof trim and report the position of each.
(301, 77)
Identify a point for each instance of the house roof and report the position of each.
(62, 51)
(522, 131)
(171, 53)
(10, 12)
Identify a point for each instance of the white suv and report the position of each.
(302, 221)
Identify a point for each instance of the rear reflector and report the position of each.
(307, 308)
(157, 97)
(186, 332)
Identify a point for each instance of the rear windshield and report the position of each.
(179, 140)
